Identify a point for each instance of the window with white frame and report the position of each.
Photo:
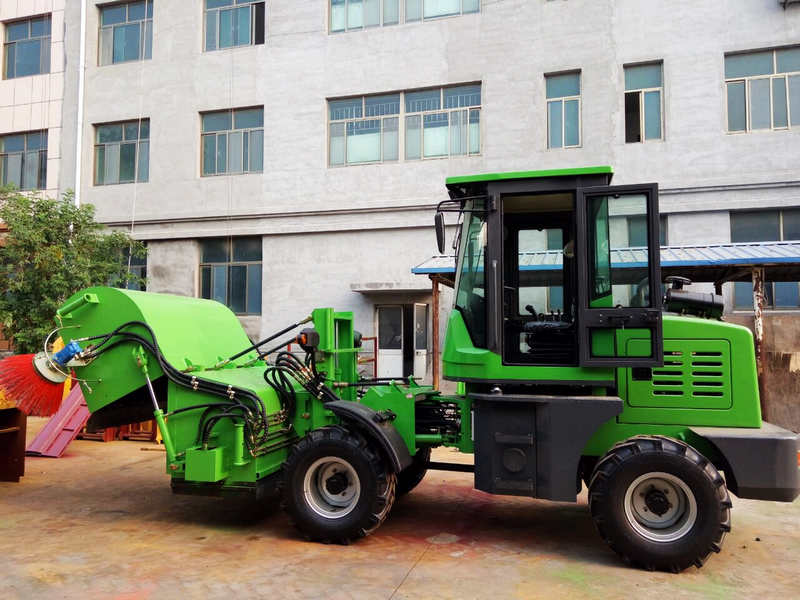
(126, 32)
(438, 123)
(644, 98)
(23, 160)
(233, 141)
(563, 93)
(364, 129)
(232, 23)
(763, 89)
(122, 152)
(443, 122)
(230, 273)
(27, 47)
(766, 226)
(417, 10)
(354, 15)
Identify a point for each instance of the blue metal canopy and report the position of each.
(708, 262)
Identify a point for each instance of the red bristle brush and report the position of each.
(25, 386)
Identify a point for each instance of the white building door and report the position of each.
(390, 341)
(420, 339)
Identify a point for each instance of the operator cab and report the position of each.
(552, 265)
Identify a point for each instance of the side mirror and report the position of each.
(438, 223)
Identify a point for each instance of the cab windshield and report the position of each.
(470, 298)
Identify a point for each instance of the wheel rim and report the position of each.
(660, 507)
(331, 487)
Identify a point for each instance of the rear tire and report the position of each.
(412, 476)
(336, 487)
(659, 503)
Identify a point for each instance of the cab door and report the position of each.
(619, 277)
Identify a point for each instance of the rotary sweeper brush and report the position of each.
(573, 369)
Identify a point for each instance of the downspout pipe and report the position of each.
(79, 125)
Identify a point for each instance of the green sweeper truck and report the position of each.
(577, 366)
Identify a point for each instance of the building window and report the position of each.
(763, 89)
(439, 122)
(644, 97)
(137, 266)
(766, 226)
(637, 230)
(417, 10)
(230, 272)
(443, 122)
(23, 160)
(349, 15)
(122, 152)
(563, 110)
(126, 32)
(27, 47)
(232, 23)
(353, 15)
(233, 141)
(364, 129)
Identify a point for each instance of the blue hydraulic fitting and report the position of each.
(63, 356)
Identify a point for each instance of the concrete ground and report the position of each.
(101, 522)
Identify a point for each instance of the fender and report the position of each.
(763, 461)
(370, 423)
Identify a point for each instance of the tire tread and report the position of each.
(380, 506)
(605, 472)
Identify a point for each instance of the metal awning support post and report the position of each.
(435, 326)
(759, 302)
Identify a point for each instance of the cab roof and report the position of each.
(486, 177)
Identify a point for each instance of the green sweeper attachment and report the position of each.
(242, 418)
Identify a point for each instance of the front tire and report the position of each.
(659, 504)
(336, 487)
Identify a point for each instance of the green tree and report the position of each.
(53, 249)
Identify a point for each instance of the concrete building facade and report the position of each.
(540, 84)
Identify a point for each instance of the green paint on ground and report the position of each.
(573, 574)
(711, 587)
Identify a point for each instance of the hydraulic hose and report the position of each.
(279, 376)
(257, 429)
(267, 339)
(304, 374)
